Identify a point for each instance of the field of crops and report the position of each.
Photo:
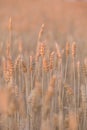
(44, 88)
(43, 65)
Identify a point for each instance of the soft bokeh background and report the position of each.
(64, 21)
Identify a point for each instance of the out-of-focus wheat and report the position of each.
(43, 90)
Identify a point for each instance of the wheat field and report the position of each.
(44, 88)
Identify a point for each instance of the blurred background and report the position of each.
(65, 20)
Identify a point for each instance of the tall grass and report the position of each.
(46, 90)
